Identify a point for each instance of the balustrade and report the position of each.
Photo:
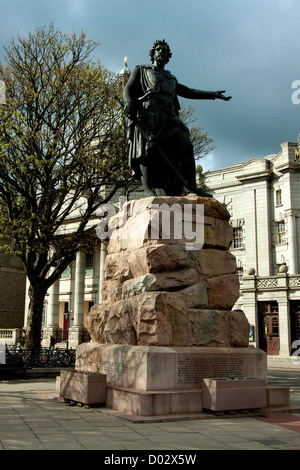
(10, 335)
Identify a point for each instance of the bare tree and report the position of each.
(200, 140)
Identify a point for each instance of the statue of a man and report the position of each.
(161, 152)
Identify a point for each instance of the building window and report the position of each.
(281, 232)
(278, 198)
(238, 237)
(89, 264)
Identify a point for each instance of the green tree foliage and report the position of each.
(63, 152)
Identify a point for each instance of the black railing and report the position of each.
(17, 356)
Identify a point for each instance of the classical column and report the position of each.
(79, 289)
(249, 298)
(26, 302)
(53, 305)
(292, 244)
(76, 331)
(52, 314)
(284, 327)
(103, 253)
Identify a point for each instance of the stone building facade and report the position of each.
(263, 198)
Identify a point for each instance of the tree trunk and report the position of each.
(34, 318)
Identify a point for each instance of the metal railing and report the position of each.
(17, 356)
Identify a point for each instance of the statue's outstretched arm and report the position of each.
(192, 93)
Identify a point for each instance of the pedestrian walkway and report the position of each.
(32, 418)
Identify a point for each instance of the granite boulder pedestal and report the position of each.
(163, 289)
(166, 320)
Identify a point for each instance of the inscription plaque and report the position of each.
(192, 370)
(112, 367)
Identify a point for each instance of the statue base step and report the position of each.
(168, 367)
(153, 403)
(86, 389)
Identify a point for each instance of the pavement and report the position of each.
(32, 418)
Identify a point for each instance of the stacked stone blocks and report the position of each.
(159, 288)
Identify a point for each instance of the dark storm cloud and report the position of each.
(248, 47)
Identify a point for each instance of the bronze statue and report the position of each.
(161, 153)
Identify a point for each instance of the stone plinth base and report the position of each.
(165, 368)
(88, 389)
(153, 403)
(153, 380)
(224, 395)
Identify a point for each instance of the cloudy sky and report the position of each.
(250, 48)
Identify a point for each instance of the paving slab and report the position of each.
(32, 418)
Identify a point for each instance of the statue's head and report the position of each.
(160, 43)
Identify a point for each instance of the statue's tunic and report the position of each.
(157, 113)
(157, 131)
